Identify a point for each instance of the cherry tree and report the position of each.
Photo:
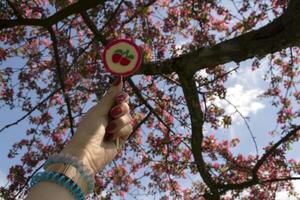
(173, 104)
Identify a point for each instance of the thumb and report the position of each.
(109, 98)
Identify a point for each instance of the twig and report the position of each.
(139, 95)
(246, 123)
(112, 16)
(28, 179)
(31, 111)
(61, 79)
(93, 28)
(140, 124)
(136, 13)
(280, 179)
(15, 9)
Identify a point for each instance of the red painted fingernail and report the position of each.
(120, 97)
(117, 81)
(132, 122)
(108, 136)
(110, 127)
(115, 111)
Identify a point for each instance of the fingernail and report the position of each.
(117, 81)
(110, 127)
(120, 97)
(108, 136)
(115, 111)
(132, 122)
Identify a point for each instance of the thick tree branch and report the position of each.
(60, 78)
(197, 119)
(282, 33)
(60, 15)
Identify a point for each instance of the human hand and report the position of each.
(94, 141)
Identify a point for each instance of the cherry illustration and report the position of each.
(116, 57)
(123, 57)
(125, 61)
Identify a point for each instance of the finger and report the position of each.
(109, 98)
(119, 110)
(122, 97)
(123, 133)
(116, 124)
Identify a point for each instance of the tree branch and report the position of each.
(140, 124)
(15, 9)
(113, 15)
(197, 119)
(255, 180)
(246, 123)
(273, 149)
(60, 78)
(277, 35)
(31, 111)
(93, 28)
(53, 19)
(281, 179)
(144, 101)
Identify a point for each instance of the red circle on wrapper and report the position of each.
(122, 57)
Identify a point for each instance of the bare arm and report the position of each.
(94, 142)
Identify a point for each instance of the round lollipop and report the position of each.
(122, 57)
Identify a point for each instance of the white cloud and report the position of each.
(245, 100)
(244, 87)
(247, 77)
(180, 43)
(284, 195)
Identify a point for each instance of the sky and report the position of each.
(244, 87)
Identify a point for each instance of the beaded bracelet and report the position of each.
(60, 179)
(68, 159)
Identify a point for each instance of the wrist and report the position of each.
(81, 155)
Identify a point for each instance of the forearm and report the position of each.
(54, 190)
(49, 191)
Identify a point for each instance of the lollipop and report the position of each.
(121, 58)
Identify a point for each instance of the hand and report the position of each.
(94, 140)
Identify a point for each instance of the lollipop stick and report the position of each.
(118, 139)
(118, 143)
